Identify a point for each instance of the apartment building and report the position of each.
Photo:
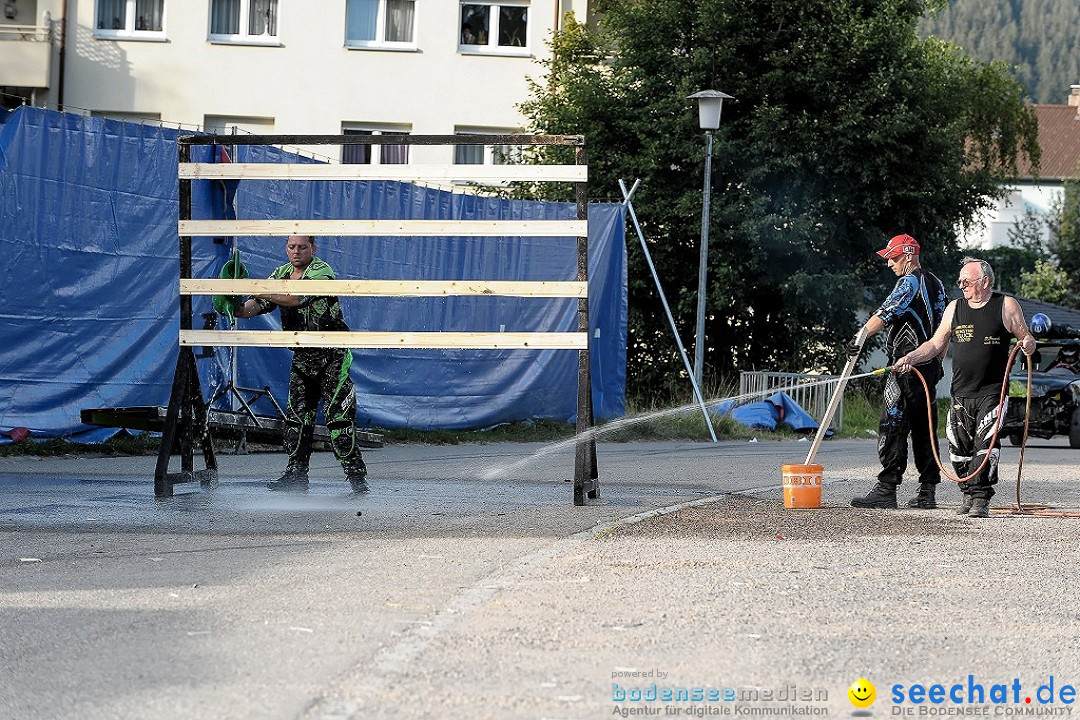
(287, 66)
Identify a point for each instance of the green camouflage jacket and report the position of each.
(315, 312)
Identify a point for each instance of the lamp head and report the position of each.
(710, 104)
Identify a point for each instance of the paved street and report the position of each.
(466, 584)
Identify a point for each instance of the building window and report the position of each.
(486, 154)
(374, 154)
(129, 18)
(244, 21)
(380, 23)
(501, 27)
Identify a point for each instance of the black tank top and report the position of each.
(980, 348)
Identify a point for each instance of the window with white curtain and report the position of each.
(380, 23)
(129, 18)
(244, 21)
(374, 154)
(495, 27)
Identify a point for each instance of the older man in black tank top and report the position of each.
(978, 325)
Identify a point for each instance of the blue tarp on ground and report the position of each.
(770, 413)
(89, 305)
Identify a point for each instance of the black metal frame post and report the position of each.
(585, 470)
(185, 419)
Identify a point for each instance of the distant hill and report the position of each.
(1040, 38)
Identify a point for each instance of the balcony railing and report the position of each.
(27, 52)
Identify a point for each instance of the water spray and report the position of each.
(615, 426)
(605, 429)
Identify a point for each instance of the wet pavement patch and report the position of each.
(742, 517)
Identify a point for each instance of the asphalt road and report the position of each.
(467, 585)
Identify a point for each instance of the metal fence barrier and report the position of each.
(808, 391)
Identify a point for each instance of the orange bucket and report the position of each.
(802, 486)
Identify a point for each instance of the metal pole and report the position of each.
(667, 310)
(838, 395)
(234, 352)
(585, 470)
(703, 264)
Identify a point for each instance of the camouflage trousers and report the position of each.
(322, 374)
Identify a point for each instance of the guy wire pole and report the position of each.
(663, 301)
(703, 263)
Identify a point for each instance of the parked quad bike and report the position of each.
(1055, 396)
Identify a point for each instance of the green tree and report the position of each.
(846, 128)
(1065, 239)
(1046, 282)
(1037, 37)
(1054, 274)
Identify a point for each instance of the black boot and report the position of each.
(357, 477)
(980, 508)
(881, 496)
(294, 478)
(925, 499)
(965, 505)
(358, 483)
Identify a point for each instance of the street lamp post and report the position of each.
(710, 104)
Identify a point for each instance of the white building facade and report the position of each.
(994, 226)
(1035, 196)
(288, 66)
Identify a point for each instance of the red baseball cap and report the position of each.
(900, 245)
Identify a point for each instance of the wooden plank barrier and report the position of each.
(185, 420)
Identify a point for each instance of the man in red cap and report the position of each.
(911, 313)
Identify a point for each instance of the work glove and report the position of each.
(854, 346)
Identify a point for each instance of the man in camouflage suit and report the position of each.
(316, 373)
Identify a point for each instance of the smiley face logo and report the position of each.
(862, 693)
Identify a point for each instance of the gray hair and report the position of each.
(984, 267)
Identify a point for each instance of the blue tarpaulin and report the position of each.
(90, 311)
(770, 413)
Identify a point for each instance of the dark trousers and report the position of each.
(902, 414)
(971, 425)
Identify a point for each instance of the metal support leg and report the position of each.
(185, 423)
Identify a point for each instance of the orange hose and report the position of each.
(1023, 440)
(997, 425)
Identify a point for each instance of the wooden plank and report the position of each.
(413, 340)
(385, 228)
(393, 288)
(478, 139)
(349, 171)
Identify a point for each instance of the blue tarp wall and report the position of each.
(89, 310)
